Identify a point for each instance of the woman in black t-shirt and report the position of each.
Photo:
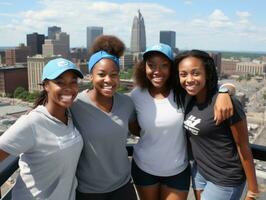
(223, 159)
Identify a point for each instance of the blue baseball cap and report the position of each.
(58, 66)
(161, 48)
(96, 57)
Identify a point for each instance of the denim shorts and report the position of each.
(213, 191)
(179, 182)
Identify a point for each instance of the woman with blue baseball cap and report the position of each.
(102, 116)
(46, 140)
(160, 167)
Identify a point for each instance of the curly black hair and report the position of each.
(143, 82)
(210, 69)
(109, 43)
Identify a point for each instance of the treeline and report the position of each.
(238, 55)
(23, 94)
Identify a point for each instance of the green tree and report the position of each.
(18, 91)
(23, 95)
(126, 74)
(248, 77)
(240, 78)
(32, 96)
(264, 96)
(123, 89)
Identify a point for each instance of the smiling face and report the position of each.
(158, 70)
(105, 78)
(62, 90)
(192, 77)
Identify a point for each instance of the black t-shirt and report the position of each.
(213, 147)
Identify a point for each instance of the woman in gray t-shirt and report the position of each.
(46, 140)
(102, 116)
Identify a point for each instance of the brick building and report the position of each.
(12, 77)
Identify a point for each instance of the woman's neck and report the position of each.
(159, 93)
(103, 103)
(201, 97)
(58, 112)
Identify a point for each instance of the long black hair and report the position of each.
(42, 98)
(143, 82)
(210, 69)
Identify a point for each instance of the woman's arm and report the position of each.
(223, 108)
(3, 155)
(240, 134)
(134, 128)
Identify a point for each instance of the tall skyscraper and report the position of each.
(63, 44)
(138, 35)
(92, 33)
(168, 37)
(35, 42)
(217, 57)
(17, 55)
(59, 46)
(35, 66)
(52, 30)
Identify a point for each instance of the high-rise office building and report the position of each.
(217, 57)
(138, 35)
(52, 30)
(59, 46)
(35, 66)
(126, 61)
(92, 33)
(12, 77)
(17, 55)
(35, 42)
(168, 37)
(2, 57)
(63, 44)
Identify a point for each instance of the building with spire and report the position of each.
(138, 35)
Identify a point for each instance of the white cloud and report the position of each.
(115, 18)
(188, 2)
(243, 14)
(7, 15)
(218, 19)
(243, 17)
(216, 30)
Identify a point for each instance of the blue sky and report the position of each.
(233, 25)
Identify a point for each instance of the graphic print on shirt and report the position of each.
(190, 124)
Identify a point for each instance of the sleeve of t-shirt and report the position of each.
(19, 138)
(239, 113)
(133, 115)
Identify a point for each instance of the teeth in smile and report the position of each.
(157, 79)
(66, 97)
(108, 87)
(190, 87)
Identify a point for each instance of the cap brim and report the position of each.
(61, 71)
(147, 53)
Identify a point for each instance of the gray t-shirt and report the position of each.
(49, 151)
(104, 165)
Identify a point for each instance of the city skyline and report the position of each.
(202, 24)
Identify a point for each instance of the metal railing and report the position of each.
(10, 165)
